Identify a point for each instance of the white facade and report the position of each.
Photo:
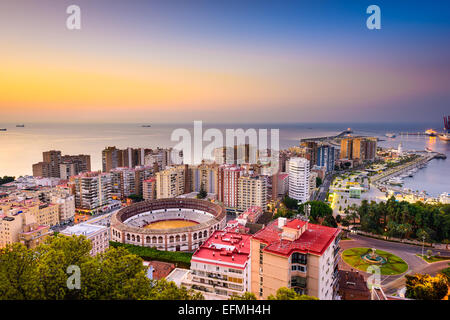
(328, 262)
(98, 235)
(299, 175)
(66, 204)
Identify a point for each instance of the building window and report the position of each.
(298, 268)
(299, 258)
(298, 282)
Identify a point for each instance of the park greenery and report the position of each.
(136, 197)
(319, 212)
(180, 259)
(6, 179)
(426, 287)
(394, 265)
(42, 274)
(430, 259)
(430, 222)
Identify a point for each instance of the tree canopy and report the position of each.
(406, 220)
(426, 287)
(244, 296)
(6, 179)
(42, 273)
(289, 294)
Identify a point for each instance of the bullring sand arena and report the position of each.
(168, 224)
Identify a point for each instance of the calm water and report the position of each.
(21, 147)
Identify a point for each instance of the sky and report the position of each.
(224, 61)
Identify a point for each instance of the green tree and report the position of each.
(289, 294)
(426, 287)
(41, 273)
(18, 277)
(202, 193)
(164, 290)
(244, 296)
(6, 179)
(290, 203)
(136, 197)
(318, 182)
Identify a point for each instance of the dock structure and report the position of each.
(425, 157)
(340, 135)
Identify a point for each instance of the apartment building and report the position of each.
(252, 191)
(171, 182)
(326, 157)
(34, 234)
(44, 213)
(123, 182)
(12, 224)
(204, 176)
(54, 165)
(251, 215)
(92, 191)
(309, 150)
(158, 157)
(228, 177)
(221, 266)
(66, 205)
(299, 178)
(142, 173)
(283, 183)
(359, 148)
(113, 157)
(149, 189)
(97, 234)
(295, 254)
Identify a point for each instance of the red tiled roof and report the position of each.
(160, 269)
(295, 224)
(224, 248)
(315, 239)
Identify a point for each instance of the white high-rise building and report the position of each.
(299, 175)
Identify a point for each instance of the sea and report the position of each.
(21, 147)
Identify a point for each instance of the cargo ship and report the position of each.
(3, 129)
(446, 135)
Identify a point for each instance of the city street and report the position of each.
(323, 190)
(391, 284)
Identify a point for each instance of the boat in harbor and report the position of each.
(397, 181)
(431, 133)
(444, 137)
(428, 149)
(390, 135)
(3, 129)
(146, 126)
(20, 126)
